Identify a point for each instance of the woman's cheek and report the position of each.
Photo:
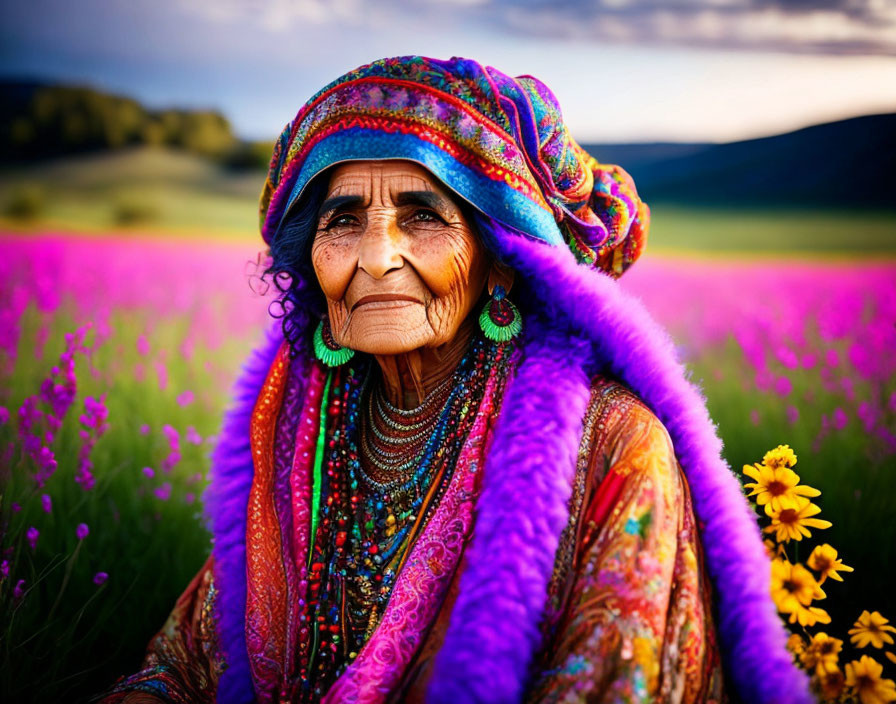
(445, 264)
(334, 267)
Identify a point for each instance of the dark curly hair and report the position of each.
(300, 302)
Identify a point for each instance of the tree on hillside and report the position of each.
(40, 121)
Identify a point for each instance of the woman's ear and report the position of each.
(500, 275)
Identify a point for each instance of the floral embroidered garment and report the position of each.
(628, 614)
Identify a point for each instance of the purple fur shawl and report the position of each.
(225, 506)
(586, 323)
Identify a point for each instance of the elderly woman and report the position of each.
(465, 466)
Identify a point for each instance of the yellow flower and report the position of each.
(871, 628)
(891, 657)
(796, 644)
(775, 487)
(831, 684)
(781, 456)
(792, 523)
(824, 561)
(822, 653)
(793, 588)
(773, 549)
(863, 677)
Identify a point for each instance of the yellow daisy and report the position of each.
(775, 487)
(864, 678)
(822, 653)
(808, 616)
(793, 522)
(831, 684)
(793, 589)
(871, 628)
(824, 561)
(781, 456)
(796, 644)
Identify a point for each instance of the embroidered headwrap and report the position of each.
(498, 142)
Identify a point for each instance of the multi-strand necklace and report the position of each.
(385, 469)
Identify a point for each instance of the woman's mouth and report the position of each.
(384, 300)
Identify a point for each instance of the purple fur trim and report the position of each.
(520, 516)
(225, 507)
(632, 346)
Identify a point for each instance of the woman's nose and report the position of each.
(380, 246)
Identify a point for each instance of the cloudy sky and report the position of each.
(624, 70)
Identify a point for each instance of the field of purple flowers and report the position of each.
(116, 356)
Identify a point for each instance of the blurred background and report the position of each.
(134, 139)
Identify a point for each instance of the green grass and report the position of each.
(68, 638)
(179, 191)
(807, 231)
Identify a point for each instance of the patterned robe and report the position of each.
(628, 616)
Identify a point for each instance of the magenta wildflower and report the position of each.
(4, 415)
(144, 429)
(787, 357)
(832, 358)
(32, 534)
(793, 414)
(163, 492)
(149, 472)
(37, 428)
(185, 398)
(189, 497)
(4, 569)
(19, 590)
(764, 379)
(142, 346)
(193, 437)
(783, 387)
(839, 419)
(16, 507)
(94, 422)
(46, 465)
(162, 374)
(173, 446)
(100, 578)
(82, 531)
(46, 503)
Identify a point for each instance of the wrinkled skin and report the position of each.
(402, 272)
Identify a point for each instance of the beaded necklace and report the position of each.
(382, 476)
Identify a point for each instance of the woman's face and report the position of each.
(399, 265)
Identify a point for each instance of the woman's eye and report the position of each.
(340, 221)
(425, 216)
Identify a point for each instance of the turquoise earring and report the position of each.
(500, 320)
(326, 349)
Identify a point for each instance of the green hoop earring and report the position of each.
(326, 349)
(500, 320)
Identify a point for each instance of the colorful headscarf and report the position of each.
(498, 142)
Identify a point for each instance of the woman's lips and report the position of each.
(384, 300)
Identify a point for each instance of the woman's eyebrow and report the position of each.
(331, 204)
(428, 199)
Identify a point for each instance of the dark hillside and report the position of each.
(840, 164)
